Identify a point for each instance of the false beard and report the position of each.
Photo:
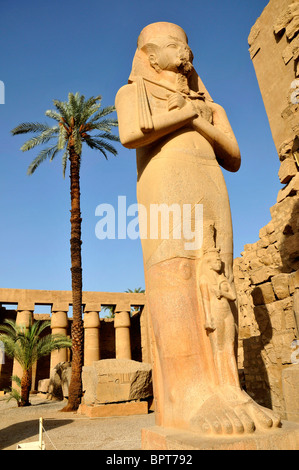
(185, 69)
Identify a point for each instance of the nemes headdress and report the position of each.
(160, 29)
(141, 67)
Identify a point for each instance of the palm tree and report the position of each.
(26, 345)
(110, 309)
(77, 118)
(137, 290)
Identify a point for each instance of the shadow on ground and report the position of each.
(20, 432)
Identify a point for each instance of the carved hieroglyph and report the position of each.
(182, 138)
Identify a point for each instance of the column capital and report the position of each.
(92, 319)
(24, 317)
(59, 319)
(122, 319)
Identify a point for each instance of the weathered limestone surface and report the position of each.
(116, 380)
(274, 49)
(114, 409)
(60, 378)
(43, 385)
(285, 438)
(267, 275)
(290, 381)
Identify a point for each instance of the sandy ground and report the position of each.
(68, 431)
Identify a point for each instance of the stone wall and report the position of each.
(266, 275)
(274, 50)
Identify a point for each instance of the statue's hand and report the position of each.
(175, 101)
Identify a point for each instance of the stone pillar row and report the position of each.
(59, 325)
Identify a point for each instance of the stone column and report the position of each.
(91, 334)
(59, 326)
(24, 317)
(122, 323)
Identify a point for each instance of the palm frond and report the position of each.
(53, 115)
(104, 125)
(102, 113)
(62, 138)
(63, 109)
(25, 343)
(43, 138)
(77, 141)
(64, 162)
(27, 127)
(50, 153)
(91, 106)
(107, 136)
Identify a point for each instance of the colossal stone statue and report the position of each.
(182, 139)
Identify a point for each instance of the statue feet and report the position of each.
(232, 411)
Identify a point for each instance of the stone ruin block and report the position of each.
(43, 385)
(290, 384)
(59, 382)
(116, 380)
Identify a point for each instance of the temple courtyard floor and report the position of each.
(68, 431)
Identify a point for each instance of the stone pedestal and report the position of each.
(114, 409)
(284, 438)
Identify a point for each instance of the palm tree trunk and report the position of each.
(75, 388)
(25, 387)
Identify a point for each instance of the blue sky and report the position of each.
(53, 47)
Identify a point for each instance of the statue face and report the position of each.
(214, 261)
(171, 54)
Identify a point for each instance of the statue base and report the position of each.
(159, 438)
(114, 409)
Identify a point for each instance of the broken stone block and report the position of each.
(280, 284)
(60, 378)
(288, 21)
(43, 385)
(262, 275)
(287, 170)
(263, 294)
(116, 380)
(290, 190)
(290, 385)
(293, 28)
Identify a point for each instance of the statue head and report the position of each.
(166, 46)
(169, 53)
(161, 47)
(212, 259)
